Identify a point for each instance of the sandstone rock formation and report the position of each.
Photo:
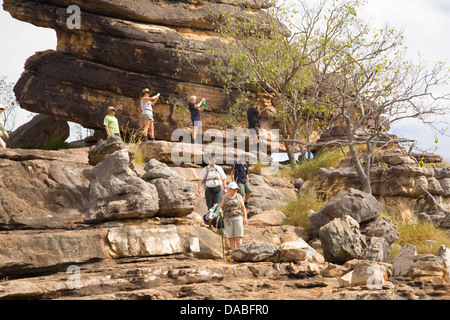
(398, 181)
(341, 240)
(116, 192)
(175, 193)
(49, 251)
(38, 132)
(119, 48)
(359, 205)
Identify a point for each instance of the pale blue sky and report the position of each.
(426, 25)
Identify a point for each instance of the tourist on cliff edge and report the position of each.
(147, 103)
(194, 109)
(111, 123)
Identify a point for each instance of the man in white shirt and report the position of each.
(214, 180)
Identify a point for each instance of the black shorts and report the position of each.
(195, 121)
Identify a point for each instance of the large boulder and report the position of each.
(175, 193)
(298, 250)
(380, 227)
(341, 240)
(254, 251)
(132, 33)
(103, 148)
(359, 205)
(267, 218)
(377, 250)
(116, 192)
(402, 262)
(41, 130)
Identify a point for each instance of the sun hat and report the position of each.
(111, 108)
(233, 185)
(2, 107)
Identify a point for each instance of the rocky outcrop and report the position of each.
(175, 193)
(42, 130)
(341, 240)
(42, 189)
(98, 152)
(50, 251)
(119, 48)
(116, 192)
(398, 181)
(361, 206)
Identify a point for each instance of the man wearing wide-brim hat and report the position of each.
(3, 131)
(111, 123)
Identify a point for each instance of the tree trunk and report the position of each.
(291, 155)
(363, 177)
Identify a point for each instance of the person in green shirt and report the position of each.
(111, 123)
(3, 132)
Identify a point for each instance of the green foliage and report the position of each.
(297, 211)
(425, 236)
(55, 144)
(307, 169)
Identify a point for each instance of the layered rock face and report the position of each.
(399, 182)
(119, 48)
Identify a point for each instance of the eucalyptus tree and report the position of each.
(285, 57)
(376, 85)
(8, 99)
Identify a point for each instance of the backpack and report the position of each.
(208, 168)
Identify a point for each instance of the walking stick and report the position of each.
(221, 232)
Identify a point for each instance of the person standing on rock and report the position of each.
(194, 109)
(253, 114)
(147, 103)
(214, 180)
(3, 131)
(234, 215)
(239, 174)
(111, 123)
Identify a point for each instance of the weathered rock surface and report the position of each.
(116, 192)
(267, 218)
(175, 193)
(380, 227)
(38, 132)
(298, 250)
(48, 251)
(377, 250)
(403, 261)
(427, 266)
(341, 240)
(119, 48)
(397, 180)
(99, 151)
(359, 205)
(42, 189)
(254, 251)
